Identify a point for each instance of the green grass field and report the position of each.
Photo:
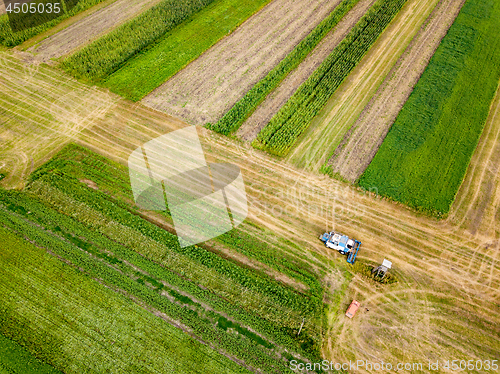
(78, 325)
(425, 155)
(240, 310)
(156, 64)
(14, 359)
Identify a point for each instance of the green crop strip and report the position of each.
(108, 53)
(77, 324)
(281, 133)
(11, 39)
(202, 325)
(38, 224)
(15, 359)
(107, 230)
(112, 179)
(116, 234)
(235, 117)
(183, 44)
(425, 155)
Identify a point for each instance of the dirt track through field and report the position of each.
(315, 146)
(213, 83)
(89, 28)
(447, 302)
(362, 141)
(272, 104)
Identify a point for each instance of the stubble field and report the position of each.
(271, 105)
(362, 141)
(446, 304)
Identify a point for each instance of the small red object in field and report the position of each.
(352, 309)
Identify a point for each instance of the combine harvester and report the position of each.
(342, 243)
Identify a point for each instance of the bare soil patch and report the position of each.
(90, 184)
(89, 28)
(272, 104)
(212, 84)
(362, 141)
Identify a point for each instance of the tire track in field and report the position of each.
(423, 311)
(209, 86)
(433, 258)
(34, 121)
(364, 138)
(276, 99)
(89, 28)
(375, 219)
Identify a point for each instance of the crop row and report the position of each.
(57, 183)
(108, 53)
(112, 179)
(93, 209)
(14, 359)
(127, 261)
(9, 38)
(443, 118)
(281, 133)
(177, 48)
(78, 325)
(249, 295)
(201, 324)
(235, 117)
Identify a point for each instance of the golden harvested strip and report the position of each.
(363, 139)
(41, 110)
(448, 296)
(327, 129)
(478, 200)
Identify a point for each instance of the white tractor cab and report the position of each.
(341, 243)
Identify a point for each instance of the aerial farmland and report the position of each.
(260, 186)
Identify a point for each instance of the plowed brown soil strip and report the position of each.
(363, 140)
(209, 86)
(272, 104)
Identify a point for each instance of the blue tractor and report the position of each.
(343, 244)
